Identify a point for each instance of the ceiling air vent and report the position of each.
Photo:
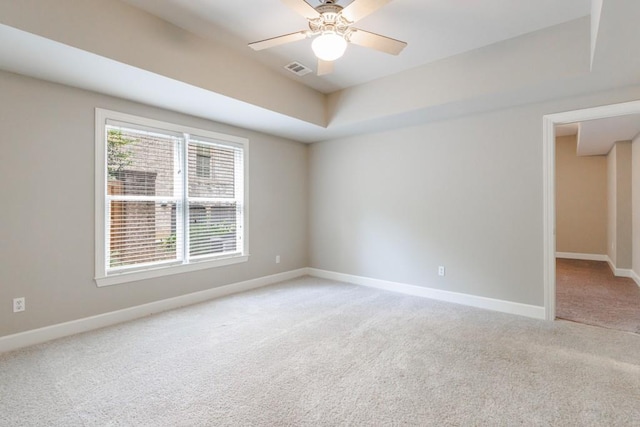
(297, 68)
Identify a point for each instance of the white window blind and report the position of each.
(143, 196)
(215, 199)
(172, 198)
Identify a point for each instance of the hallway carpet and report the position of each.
(588, 292)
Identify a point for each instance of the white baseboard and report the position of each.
(40, 335)
(622, 272)
(619, 272)
(635, 277)
(585, 257)
(533, 311)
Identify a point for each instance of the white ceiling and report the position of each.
(231, 83)
(21, 52)
(433, 29)
(596, 137)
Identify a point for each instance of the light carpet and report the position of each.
(312, 352)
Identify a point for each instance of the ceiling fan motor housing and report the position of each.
(330, 20)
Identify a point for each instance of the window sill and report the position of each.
(134, 276)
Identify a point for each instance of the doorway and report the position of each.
(549, 163)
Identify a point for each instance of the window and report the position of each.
(168, 198)
(203, 162)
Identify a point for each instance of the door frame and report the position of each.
(549, 122)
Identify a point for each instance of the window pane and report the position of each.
(141, 232)
(211, 170)
(203, 166)
(212, 228)
(140, 163)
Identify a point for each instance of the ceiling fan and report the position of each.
(331, 25)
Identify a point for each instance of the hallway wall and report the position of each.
(581, 200)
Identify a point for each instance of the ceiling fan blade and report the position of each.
(377, 42)
(302, 8)
(361, 8)
(325, 67)
(277, 41)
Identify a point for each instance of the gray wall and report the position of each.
(619, 235)
(612, 224)
(581, 200)
(465, 193)
(635, 201)
(47, 214)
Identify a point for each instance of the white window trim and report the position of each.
(101, 278)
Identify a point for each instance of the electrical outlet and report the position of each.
(277, 259)
(19, 304)
(441, 270)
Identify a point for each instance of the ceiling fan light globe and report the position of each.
(329, 47)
